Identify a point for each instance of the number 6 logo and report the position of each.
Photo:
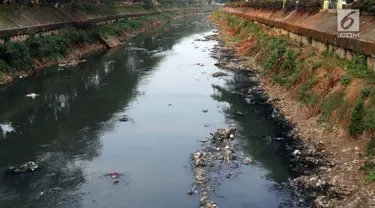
(348, 20)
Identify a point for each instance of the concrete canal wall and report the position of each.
(19, 24)
(318, 30)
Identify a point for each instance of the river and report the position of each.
(72, 129)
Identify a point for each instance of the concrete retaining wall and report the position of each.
(47, 21)
(321, 28)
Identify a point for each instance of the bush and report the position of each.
(50, 47)
(356, 125)
(365, 92)
(17, 55)
(334, 101)
(290, 61)
(358, 67)
(4, 67)
(345, 80)
(76, 37)
(305, 6)
(303, 92)
(258, 4)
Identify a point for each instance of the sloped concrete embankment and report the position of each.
(319, 31)
(48, 21)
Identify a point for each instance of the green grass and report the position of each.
(371, 177)
(345, 80)
(304, 95)
(356, 125)
(332, 102)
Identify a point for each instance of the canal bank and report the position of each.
(163, 82)
(22, 58)
(322, 96)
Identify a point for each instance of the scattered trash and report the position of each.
(239, 113)
(204, 140)
(204, 110)
(192, 191)
(247, 160)
(296, 152)
(116, 181)
(208, 159)
(27, 167)
(32, 95)
(219, 74)
(41, 193)
(115, 175)
(71, 63)
(248, 100)
(124, 118)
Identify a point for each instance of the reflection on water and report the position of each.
(72, 129)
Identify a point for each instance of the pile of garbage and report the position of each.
(30, 166)
(218, 154)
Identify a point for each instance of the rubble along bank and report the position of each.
(68, 48)
(335, 181)
(221, 157)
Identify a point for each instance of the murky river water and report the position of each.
(73, 131)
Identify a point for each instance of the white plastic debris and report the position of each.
(32, 95)
(296, 152)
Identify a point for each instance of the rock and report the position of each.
(27, 167)
(247, 160)
(219, 74)
(204, 110)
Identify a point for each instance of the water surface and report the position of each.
(72, 129)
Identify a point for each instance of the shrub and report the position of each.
(17, 55)
(4, 67)
(365, 92)
(303, 92)
(334, 101)
(356, 125)
(50, 47)
(358, 67)
(371, 177)
(76, 37)
(345, 80)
